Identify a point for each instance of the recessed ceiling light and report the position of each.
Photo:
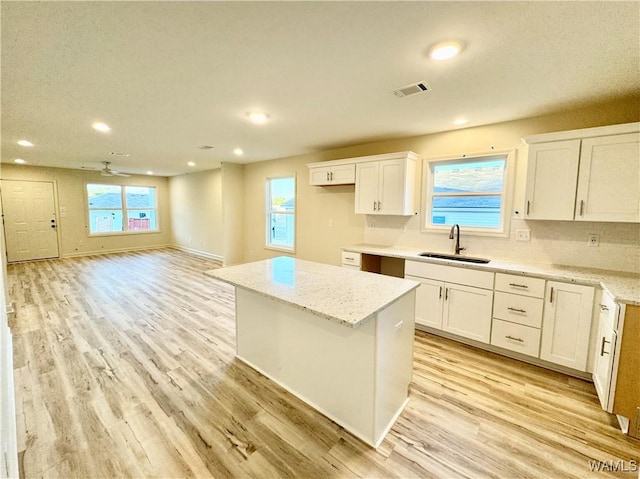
(460, 121)
(103, 127)
(149, 172)
(20, 161)
(191, 163)
(445, 50)
(25, 143)
(118, 153)
(258, 117)
(238, 152)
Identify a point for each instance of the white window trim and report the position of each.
(507, 192)
(125, 231)
(267, 213)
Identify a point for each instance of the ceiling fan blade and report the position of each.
(115, 173)
(106, 173)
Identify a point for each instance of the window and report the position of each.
(121, 209)
(281, 213)
(471, 192)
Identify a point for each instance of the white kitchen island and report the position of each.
(340, 340)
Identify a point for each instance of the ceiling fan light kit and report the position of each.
(107, 171)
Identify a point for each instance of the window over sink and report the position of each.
(472, 191)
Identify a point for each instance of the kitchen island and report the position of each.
(340, 340)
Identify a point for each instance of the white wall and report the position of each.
(196, 212)
(69, 188)
(551, 242)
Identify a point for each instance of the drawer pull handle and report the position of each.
(604, 341)
(516, 285)
(516, 310)
(604, 307)
(440, 296)
(446, 294)
(551, 296)
(520, 340)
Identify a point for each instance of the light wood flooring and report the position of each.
(124, 367)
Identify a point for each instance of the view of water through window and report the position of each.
(468, 193)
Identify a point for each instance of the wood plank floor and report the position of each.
(124, 367)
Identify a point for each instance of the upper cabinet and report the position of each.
(332, 173)
(387, 185)
(585, 175)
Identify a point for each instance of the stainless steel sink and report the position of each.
(452, 257)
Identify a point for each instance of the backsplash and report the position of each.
(552, 242)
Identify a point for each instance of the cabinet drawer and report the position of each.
(512, 283)
(515, 337)
(518, 309)
(351, 259)
(450, 274)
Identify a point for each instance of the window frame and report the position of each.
(506, 194)
(269, 212)
(123, 209)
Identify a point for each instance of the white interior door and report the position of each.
(29, 220)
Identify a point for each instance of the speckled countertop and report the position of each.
(339, 294)
(625, 287)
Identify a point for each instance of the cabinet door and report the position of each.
(603, 367)
(552, 174)
(343, 175)
(391, 189)
(467, 312)
(367, 187)
(429, 301)
(609, 179)
(319, 176)
(566, 324)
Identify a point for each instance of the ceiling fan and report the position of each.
(106, 171)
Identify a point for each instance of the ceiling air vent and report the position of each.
(205, 147)
(412, 89)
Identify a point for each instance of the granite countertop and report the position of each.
(624, 287)
(343, 295)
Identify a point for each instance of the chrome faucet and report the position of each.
(456, 227)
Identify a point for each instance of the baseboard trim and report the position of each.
(198, 252)
(114, 250)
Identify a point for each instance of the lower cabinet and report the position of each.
(467, 312)
(443, 303)
(606, 346)
(566, 324)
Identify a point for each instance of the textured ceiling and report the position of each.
(169, 77)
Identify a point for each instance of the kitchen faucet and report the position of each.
(457, 228)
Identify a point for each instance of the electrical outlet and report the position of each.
(523, 235)
(594, 240)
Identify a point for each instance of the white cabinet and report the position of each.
(517, 313)
(609, 179)
(586, 175)
(442, 302)
(467, 312)
(351, 260)
(605, 352)
(551, 174)
(429, 302)
(386, 187)
(566, 325)
(332, 174)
